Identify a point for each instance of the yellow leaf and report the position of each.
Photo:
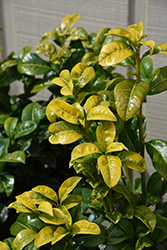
(115, 146)
(46, 48)
(82, 74)
(82, 150)
(68, 217)
(120, 32)
(20, 208)
(105, 134)
(150, 44)
(67, 112)
(85, 227)
(27, 202)
(64, 133)
(64, 81)
(51, 116)
(23, 238)
(69, 21)
(58, 217)
(136, 30)
(110, 167)
(3, 246)
(67, 186)
(133, 160)
(161, 48)
(101, 113)
(44, 236)
(47, 192)
(91, 102)
(114, 52)
(60, 233)
(45, 207)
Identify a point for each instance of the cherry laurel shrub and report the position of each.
(99, 114)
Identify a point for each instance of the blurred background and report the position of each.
(24, 22)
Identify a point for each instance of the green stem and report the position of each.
(128, 179)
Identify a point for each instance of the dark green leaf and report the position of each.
(146, 67)
(158, 82)
(25, 128)
(157, 149)
(4, 144)
(19, 225)
(154, 183)
(3, 212)
(32, 64)
(6, 183)
(31, 112)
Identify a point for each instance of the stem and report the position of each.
(128, 179)
(140, 117)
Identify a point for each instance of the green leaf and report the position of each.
(129, 96)
(67, 186)
(25, 128)
(100, 38)
(68, 21)
(44, 236)
(114, 216)
(46, 48)
(19, 225)
(133, 160)
(144, 214)
(119, 188)
(127, 227)
(72, 201)
(143, 242)
(59, 234)
(64, 133)
(66, 111)
(82, 74)
(85, 227)
(158, 81)
(10, 126)
(154, 183)
(35, 224)
(24, 238)
(110, 167)
(31, 112)
(113, 53)
(46, 192)
(24, 51)
(32, 64)
(16, 156)
(158, 153)
(146, 67)
(82, 150)
(4, 212)
(4, 144)
(6, 183)
(8, 64)
(40, 85)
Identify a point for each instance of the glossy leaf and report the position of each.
(25, 128)
(19, 225)
(82, 150)
(6, 183)
(85, 227)
(114, 216)
(105, 134)
(51, 116)
(136, 30)
(72, 201)
(146, 67)
(32, 64)
(64, 81)
(31, 113)
(115, 146)
(129, 96)
(67, 186)
(158, 82)
(144, 214)
(46, 48)
(82, 74)
(92, 102)
(26, 201)
(44, 236)
(24, 51)
(101, 113)
(40, 85)
(126, 226)
(59, 234)
(157, 151)
(64, 133)
(133, 160)
(120, 32)
(4, 213)
(69, 21)
(67, 111)
(16, 156)
(68, 222)
(24, 238)
(150, 44)
(78, 33)
(101, 37)
(58, 217)
(3, 246)
(143, 242)
(110, 167)
(160, 48)
(20, 207)
(4, 144)
(113, 53)
(119, 188)
(154, 183)
(45, 207)
(10, 126)
(47, 192)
